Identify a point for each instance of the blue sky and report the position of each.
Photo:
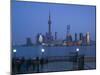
(30, 18)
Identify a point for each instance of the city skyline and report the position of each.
(28, 21)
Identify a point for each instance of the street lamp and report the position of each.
(77, 50)
(14, 51)
(77, 55)
(42, 50)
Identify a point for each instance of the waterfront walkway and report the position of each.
(52, 64)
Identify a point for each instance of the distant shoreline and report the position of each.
(52, 46)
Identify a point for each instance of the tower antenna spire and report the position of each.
(49, 23)
(49, 15)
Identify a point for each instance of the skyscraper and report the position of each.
(40, 38)
(49, 24)
(37, 38)
(75, 36)
(55, 35)
(68, 33)
(88, 38)
(81, 36)
(68, 29)
(50, 37)
(29, 42)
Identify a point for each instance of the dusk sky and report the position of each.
(30, 18)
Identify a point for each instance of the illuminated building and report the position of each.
(88, 38)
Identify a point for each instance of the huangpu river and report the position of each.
(38, 51)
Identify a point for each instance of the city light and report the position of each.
(40, 39)
(14, 50)
(77, 49)
(42, 50)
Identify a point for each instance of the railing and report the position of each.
(78, 62)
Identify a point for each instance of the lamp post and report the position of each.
(77, 50)
(42, 59)
(77, 53)
(77, 56)
(14, 51)
(42, 50)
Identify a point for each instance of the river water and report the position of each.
(36, 51)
